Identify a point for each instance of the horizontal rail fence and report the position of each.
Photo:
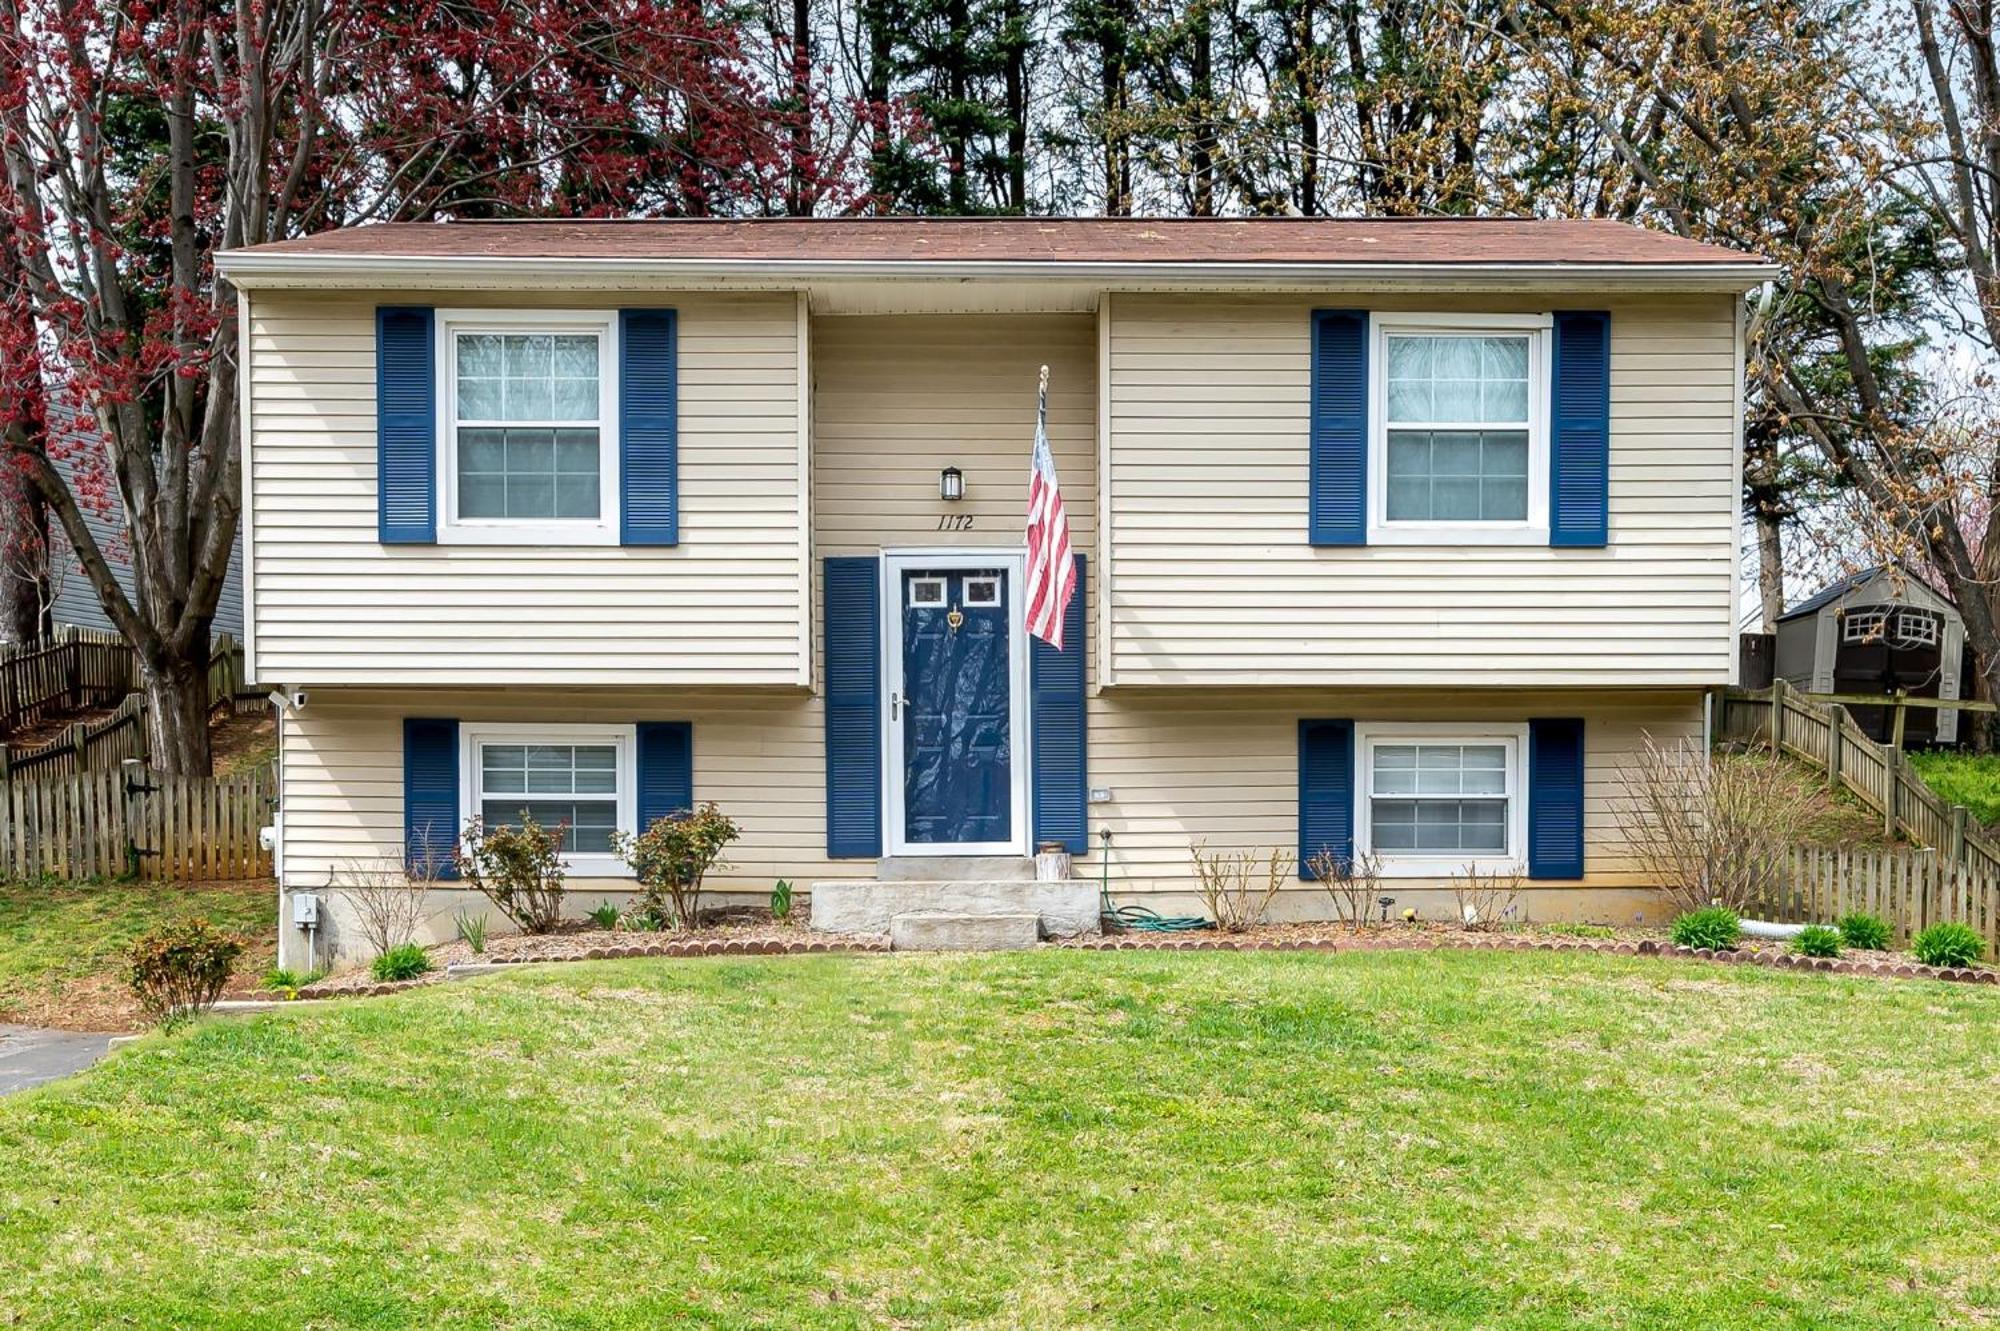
(75, 668)
(134, 821)
(1910, 887)
(86, 746)
(1881, 778)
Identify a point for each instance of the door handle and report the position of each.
(895, 706)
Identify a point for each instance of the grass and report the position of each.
(1459, 1139)
(1971, 779)
(62, 945)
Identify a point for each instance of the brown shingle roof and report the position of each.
(1467, 241)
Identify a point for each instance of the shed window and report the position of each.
(1869, 624)
(1917, 628)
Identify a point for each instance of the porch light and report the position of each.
(951, 484)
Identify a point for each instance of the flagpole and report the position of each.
(1042, 399)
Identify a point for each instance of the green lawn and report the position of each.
(1971, 779)
(62, 945)
(1456, 1139)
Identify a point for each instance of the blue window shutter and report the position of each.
(405, 426)
(649, 509)
(666, 770)
(1580, 443)
(1340, 427)
(430, 793)
(1555, 798)
(1059, 767)
(853, 599)
(1326, 791)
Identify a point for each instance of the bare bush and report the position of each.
(1486, 898)
(1352, 881)
(389, 902)
(1713, 831)
(1229, 892)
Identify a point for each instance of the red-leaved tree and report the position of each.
(140, 138)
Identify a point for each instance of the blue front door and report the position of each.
(958, 750)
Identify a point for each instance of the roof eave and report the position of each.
(252, 270)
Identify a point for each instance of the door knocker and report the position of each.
(954, 619)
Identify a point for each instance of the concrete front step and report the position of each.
(940, 931)
(955, 869)
(870, 907)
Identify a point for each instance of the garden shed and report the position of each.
(1878, 631)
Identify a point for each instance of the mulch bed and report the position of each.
(761, 937)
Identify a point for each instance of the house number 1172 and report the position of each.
(954, 522)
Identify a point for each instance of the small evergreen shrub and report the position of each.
(1864, 933)
(178, 970)
(1948, 945)
(1713, 927)
(406, 961)
(605, 916)
(1816, 940)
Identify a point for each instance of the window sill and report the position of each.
(530, 533)
(1445, 867)
(1400, 534)
(596, 866)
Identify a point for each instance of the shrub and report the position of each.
(1948, 945)
(1486, 899)
(1713, 831)
(670, 859)
(471, 930)
(1228, 890)
(388, 901)
(605, 915)
(286, 982)
(1864, 933)
(1816, 940)
(178, 970)
(404, 962)
(1351, 881)
(781, 901)
(1714, 927)
(518, 869)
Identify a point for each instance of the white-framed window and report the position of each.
(1432, 800)
(926, 591)
(1870, 624)
(528, 427)
(584, 776)
(1918, 628)
(982, 591)
(1458, 452)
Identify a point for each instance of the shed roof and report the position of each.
(1840, 587)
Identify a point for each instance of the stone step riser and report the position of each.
(931, 931)
(1065, 909)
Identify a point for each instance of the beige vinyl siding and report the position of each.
(1215, 582)
(898, 399)
(333, 605)
(1181, 766)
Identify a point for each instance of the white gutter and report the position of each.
(252, 269)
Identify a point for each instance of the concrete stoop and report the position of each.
(939, 931)
(1059, 910)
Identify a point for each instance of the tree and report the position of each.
(140, 138)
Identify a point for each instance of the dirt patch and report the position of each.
(243, 739)
(103, 1002)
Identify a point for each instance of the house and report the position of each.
(1394, 537)
(1880, 630)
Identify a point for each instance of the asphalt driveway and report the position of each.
(30, 1056)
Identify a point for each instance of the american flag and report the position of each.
(1051, 571)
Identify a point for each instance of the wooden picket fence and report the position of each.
(132, 821)
(1951, 873)
(76, 668)
(87, 746)
(1912, 887)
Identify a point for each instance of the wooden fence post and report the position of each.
(1777, 715)
(1955, 845)
(1892, 764)
(1833, 742)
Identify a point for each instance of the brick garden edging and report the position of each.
(1650, 947)
(1429, 942)
(694, 947)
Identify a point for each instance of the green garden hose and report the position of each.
(1137, 918)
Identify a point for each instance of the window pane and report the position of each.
(478, 355)
(1394, 824)
(514, 473)
(1457, 476)
(1466, 378)
(528, 400)
(478, 399)
(589, 823)
(528, 355)
(1439, 827)
(575, 400)
(1396, 769)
